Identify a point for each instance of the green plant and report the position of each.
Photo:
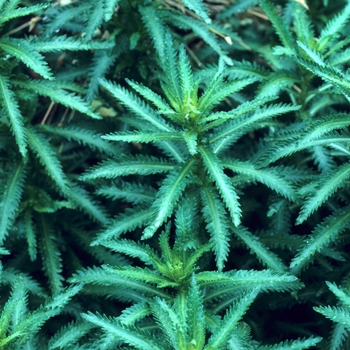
(175, 174)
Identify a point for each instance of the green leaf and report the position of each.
(11, 197)
(32, 322)
(61, 43)
(336, 314)
(167, 197)
(8, 12)
(199, 8)
(267, 257)
(280, 25)
(55, 92)
(298, 344)
(42, 149)
(222, 182)
(84, 201)
(135, 193)
(142, 136)
(141, 274)
(22, 50)
(51, 255)
(68, 335)
(271, 177)
(128, 165)
(333, 28)
(324, 188)
(85, 137)
(135, 105)
(217, 225)
(195, 317)
(341, 293)
(155, 28)
(328, 74)
(134, 313)
(133, 336)
(220, 338)
(324, 233)
(232, 131)
(102, 277)
(202, 30)
(11, 108)
(127, 221)
(150, 95)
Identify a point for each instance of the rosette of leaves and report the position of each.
(175, 303)
(197, 142)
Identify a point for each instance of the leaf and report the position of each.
(298, 344)
(57, 94)
(142, 136)
(127, 221)
(267, 257)
(101, 63)
(133, 336)
(202, 30)
(324, 188)
(62, 43)
(11, 197)
(10, 105)
(135, 105)
(42, 149)
(167, 197)
(9, 13)
(328, 74)
(128, 165)
(101, 277)
(84, 136)
(68, 335)
(336, 314)
(271, 177)
(155, 28)
(22, 50)
(195, 316)
(51, 255)
(322, 235)
(199, 8)
(219, 339)
(222, 182)
(134, 313)
(280, 26)
(84, 201)
(217, 225)
(32, 322)
(232, 131)
(333, 27)
(132, 192)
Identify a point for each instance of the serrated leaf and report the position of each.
(55, 92)
(43, 150)
(11, 108)
(135, 105)
(22, 50)
(324, 188)
(128, 165)
(167, 197)
(222, 182)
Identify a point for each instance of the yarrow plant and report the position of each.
(175, 175)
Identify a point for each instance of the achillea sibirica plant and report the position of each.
(175, 175)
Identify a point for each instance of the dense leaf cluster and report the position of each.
(174, 174)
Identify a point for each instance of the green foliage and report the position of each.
(174, 174)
